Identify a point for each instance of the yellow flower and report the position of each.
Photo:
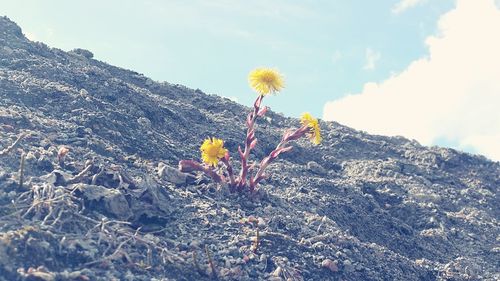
(314, 130)
(212, 150)
(266, 80)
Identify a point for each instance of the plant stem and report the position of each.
(230, 172)
(21, 171)
(252, 117)
(281, 147)
(211, 262)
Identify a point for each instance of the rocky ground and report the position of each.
(357, 207)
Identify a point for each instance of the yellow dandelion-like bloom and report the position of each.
(266, 80)
(306, 119)
(212, 150)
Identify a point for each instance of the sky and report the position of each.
(424, 69)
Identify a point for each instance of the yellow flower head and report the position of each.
(266, 80)
(314, 130)
(212, 150)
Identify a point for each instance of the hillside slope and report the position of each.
(357, 207)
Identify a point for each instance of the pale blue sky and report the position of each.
(417, 68)
(320, 46)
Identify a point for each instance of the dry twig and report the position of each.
(211, 263)
(78, 177)
(11, 147)
(21, 171)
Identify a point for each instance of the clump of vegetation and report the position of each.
(216, 160)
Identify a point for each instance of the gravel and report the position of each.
(357, 207)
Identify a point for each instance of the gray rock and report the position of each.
(171, 174)
(85, 53)
(45, 164)
(316, 168)
(143, 121)
(114, 201)
(84, 93)
(331, 265)
(348, 267)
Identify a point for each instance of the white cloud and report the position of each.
(404, 5)
(486, 144)
(371, 59)
(453, 94)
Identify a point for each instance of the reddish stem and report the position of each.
(280, 148)
(244, 155)
(230, 172)
(187, 166)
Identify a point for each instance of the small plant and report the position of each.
(264, 81)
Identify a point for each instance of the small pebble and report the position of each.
(348, 267)
(171, 174)
(316, 168)
(331, 265)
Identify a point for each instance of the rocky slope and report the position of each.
(358, 207)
